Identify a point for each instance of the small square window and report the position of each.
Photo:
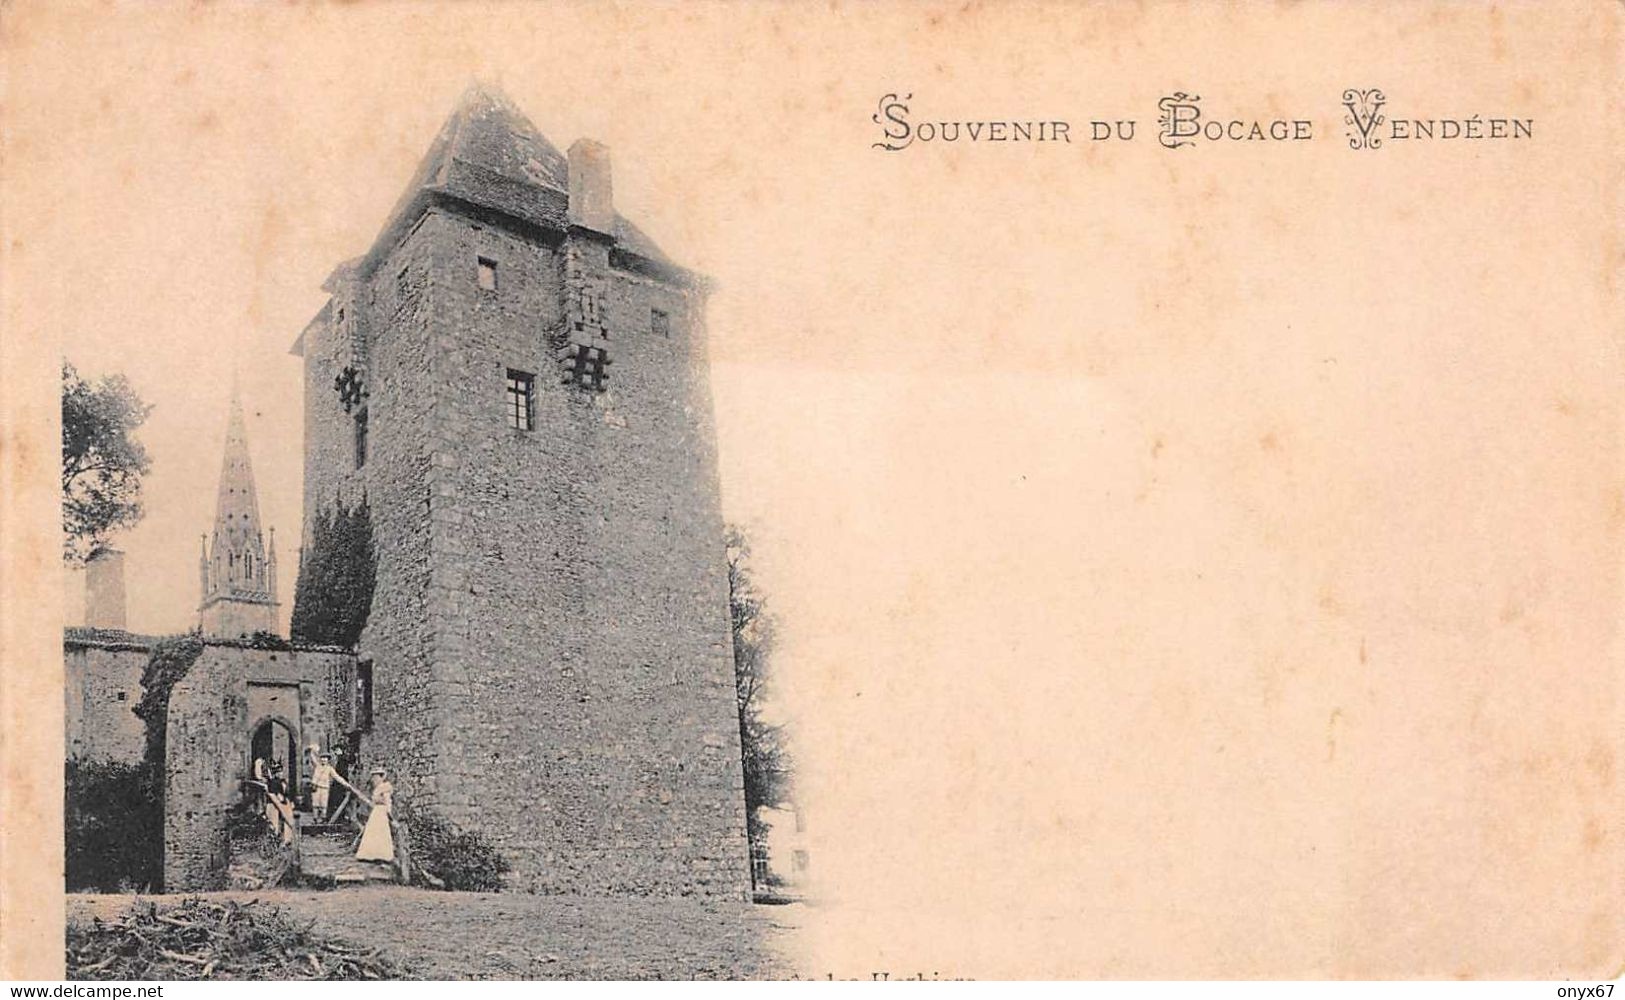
(488, 274)
(659, 323)
(124, 696)
(521, 400)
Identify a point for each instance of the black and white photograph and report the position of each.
(726, 491)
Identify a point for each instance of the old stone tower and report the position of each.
(514, 378)
(237, 568)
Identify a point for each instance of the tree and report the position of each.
(338, 572)
(767, 764)
(102, 462)
(114, 826)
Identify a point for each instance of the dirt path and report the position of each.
(454, 935)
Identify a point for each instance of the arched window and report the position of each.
(248, 565)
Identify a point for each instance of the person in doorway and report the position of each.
(258, 790)
(303, 793)
(377, 843)
(278, 809)
(321, 781)
(265, 777)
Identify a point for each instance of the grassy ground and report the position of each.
(455, 935)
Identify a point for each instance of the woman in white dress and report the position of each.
(377, 844)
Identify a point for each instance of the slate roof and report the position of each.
(490, 155)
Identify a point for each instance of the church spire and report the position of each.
(239, 589)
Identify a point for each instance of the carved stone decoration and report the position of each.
(351, 388)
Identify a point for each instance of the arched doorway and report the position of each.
(275, 741)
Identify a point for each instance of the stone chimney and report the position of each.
(592, 201)
(104, 589)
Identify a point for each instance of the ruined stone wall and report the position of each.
(580, 687)
(102, 674)
(213, 712)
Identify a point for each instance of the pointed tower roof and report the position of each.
(489, 131)
(489, 155)
(490, 161)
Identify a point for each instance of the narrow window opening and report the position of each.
(488, 274)
(659, 323)
(361, 437)
(521, 400)
(363, 696)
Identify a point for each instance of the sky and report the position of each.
(1185, 561)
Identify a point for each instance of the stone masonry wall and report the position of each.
(550, 639)
(233, 619)
(399, 637)
(213, 712)
(330, 473)
(394, 480)
(103, 684)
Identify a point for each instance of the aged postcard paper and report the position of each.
(915, 490)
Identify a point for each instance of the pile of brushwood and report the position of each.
(206, 939)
